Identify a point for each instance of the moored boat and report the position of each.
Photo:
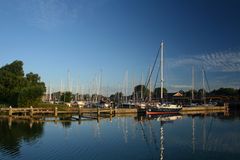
(164, 109)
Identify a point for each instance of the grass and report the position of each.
(60, 107)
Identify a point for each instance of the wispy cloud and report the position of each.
(225, 61)
(49, 14)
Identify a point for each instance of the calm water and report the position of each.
(123, 138)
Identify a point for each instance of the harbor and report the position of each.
(94, 113)
(153, 135)
(119, 80)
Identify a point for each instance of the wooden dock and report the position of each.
(55, 112)
(204, 110)
(99, 112)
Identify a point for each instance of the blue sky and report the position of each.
(89, 37)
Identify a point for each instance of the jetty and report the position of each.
(96, 113)
(31, 112)
(204, 110)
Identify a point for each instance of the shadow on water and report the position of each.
(12, 136)
(206, 136)
(201, 136)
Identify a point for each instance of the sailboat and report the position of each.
(164, 108)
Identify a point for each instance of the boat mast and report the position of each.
(161, 62)
(126, 86)
(203, 83)
(50, 92)
(192, 82)
(150, 85)
(68, 81)
(142, 87)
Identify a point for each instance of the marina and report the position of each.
(119, 80)
(99, 112)
(156, 137)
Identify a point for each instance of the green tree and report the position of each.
(141, 89)
(225, 92)
(15, 68)
(189, 93)
(157, 92)
(17, 90)
(117, 97)
(86, 97)
(67, 97)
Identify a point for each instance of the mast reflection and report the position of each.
(163, 119)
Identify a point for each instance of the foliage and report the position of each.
(86, 97)
(117, 97)
(141, 89)
(157, 92)
(189, 93)
(225, 92)
(67, 97)
(18, 90)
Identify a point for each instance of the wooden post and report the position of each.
(98, 111)
(55, 112)
(10, 111)
(31, 111)
(79, 111)
(25, 112)
(110, 110)
(79, 115)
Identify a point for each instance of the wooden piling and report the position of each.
(56, 112)
(31, 111)
(25, 112)
(110, 110)
(10, 111)
(79, 114)
(98, 111)
(79, 111)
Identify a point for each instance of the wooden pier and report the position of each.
(99, 112)
(55, 111)
(204, 110)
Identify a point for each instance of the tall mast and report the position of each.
(142, 87)
(161, 62)
(203, 83)
(69, 81)
(126, 86)
(192, 82)
(61, 89)
(50, 92)
(150, 85)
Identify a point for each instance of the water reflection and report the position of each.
(214, 136)
(13, 133)
(163, 119)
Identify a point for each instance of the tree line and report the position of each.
(18, 89)
(142, 93)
